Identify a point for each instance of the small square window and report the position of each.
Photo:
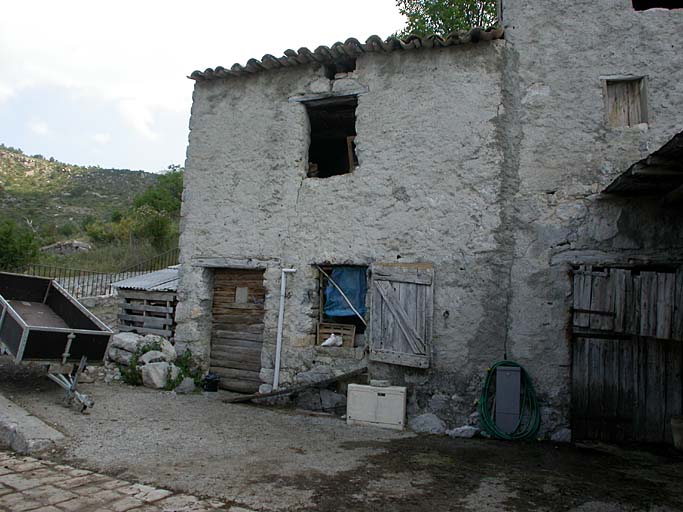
(333, 129)
(626, 102)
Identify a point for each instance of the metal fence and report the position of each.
(86, 283)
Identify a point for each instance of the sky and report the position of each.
(102, 82)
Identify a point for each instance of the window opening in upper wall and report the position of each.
(332, 69)
(626, 102)
(644, 5)
(333, 130)
(334, 309)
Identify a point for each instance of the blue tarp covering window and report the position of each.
(352, 281)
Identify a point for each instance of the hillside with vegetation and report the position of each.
(126, 216)
(56, 200)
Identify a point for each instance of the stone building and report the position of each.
(465, 177)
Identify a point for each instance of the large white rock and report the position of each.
(128, 341)
(168, 350)
(265, 388)
(564, 435)
(155, 375)
(186, 386)
(427, 424)
(153, 356)
(120, 356)
(466, 431)
(331, 401)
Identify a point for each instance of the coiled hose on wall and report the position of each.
(530, 414)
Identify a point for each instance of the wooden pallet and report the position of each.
(147, 312)
(346, 331)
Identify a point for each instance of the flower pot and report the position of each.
(677, 431)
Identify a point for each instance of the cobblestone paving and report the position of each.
(27, 483)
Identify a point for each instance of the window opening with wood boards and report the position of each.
(626, 102)
(331, 150)
(336, 316)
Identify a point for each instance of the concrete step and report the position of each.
(24, 433)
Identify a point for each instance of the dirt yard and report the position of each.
(273, 459)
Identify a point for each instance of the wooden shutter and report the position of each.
(402, 305)
(624, 102)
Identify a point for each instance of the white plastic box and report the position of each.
(376, 406)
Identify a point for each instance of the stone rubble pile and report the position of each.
(155, 366)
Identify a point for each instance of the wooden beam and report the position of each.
(300, 387)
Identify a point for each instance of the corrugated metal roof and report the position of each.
(658, 174)
(165, 280)
(348, 49)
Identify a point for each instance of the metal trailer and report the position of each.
(41, 322)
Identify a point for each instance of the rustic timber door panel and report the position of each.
(402, 309)
(626, 389)
(237, 331)
(627, 353)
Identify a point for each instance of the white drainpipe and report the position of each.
(280, 321)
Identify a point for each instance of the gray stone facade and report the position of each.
(485, 159)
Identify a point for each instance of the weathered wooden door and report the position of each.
(237, 334)
(625, 389)
(627, 353)
(402, 306)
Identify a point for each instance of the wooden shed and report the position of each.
(148, 302)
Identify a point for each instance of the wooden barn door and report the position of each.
(402, 306)
(237, 334)
(627, 354)
(625, 389)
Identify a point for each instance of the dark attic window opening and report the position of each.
(339, 66)
(644, 5)
(332, 151)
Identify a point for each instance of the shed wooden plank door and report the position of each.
(237, 331)
(627, 353)
(626, 389)
(401, 314)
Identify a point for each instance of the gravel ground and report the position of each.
(275, 459)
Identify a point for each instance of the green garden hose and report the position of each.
(530, 414)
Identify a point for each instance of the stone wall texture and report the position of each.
(486, 160)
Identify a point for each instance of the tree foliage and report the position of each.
(166, 195)
(426, 17)
(17, 245)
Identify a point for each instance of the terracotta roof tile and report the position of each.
(348, 49)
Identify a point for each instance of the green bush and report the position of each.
(116, 216)
(132, 373)
(100, 232)
(166, 195)
(188, 367)
(69, 229)
(154, 225)
(17, 245)
(87, 221)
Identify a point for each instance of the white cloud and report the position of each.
(138, 116)
(137, 55)
(38, 127)
(101, 138)
(6, 92)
